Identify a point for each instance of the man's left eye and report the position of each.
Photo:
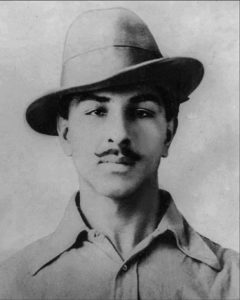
(144, 113)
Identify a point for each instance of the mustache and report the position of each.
(127, 152)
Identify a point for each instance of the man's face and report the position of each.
(116, 138)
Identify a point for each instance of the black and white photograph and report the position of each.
(119, 157)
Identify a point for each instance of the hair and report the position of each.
(171, 105)
(169, 101)
(65, 102)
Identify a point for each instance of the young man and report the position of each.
(121, 237)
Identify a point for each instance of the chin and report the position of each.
(116, 189)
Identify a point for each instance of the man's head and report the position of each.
(117, 136)
(116, 110)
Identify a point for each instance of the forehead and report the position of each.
(122, 95)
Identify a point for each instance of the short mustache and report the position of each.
(127, 152)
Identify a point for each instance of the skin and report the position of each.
(116, 138)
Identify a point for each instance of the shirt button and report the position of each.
(124, 268)
(96, 234)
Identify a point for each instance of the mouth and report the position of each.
(122, 160)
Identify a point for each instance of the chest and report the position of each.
(92, 273)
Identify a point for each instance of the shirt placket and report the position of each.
(125, 283)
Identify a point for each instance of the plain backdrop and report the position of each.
(201, 172)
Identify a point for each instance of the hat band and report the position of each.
(97, 65)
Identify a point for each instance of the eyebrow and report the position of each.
(146, 98)
(134, 100)
(90, 96)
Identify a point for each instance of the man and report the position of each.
(121, 237)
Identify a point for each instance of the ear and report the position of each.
(62, 128)
(170, 132)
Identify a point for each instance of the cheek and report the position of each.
(83, 141)
(151, 138)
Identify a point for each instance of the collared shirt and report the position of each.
(76, 262)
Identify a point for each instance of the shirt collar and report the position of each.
(61, 239)
(188, 240)
(72, 225)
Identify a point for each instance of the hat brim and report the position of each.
(180, 75)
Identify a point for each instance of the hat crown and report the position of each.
(102, 28)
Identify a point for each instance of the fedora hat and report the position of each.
(112, 47)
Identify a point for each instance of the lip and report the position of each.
(122, 160)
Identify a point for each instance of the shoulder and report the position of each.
(16, 271)
(227, 257)
(26, 256)
(226, 284)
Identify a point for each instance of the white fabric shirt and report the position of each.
(76, 262)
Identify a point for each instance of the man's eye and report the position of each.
(144, 113)
(100, 112)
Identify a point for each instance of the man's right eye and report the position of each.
(99, 112)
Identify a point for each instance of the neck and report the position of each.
(124, 221)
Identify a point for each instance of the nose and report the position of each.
(118, 131)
